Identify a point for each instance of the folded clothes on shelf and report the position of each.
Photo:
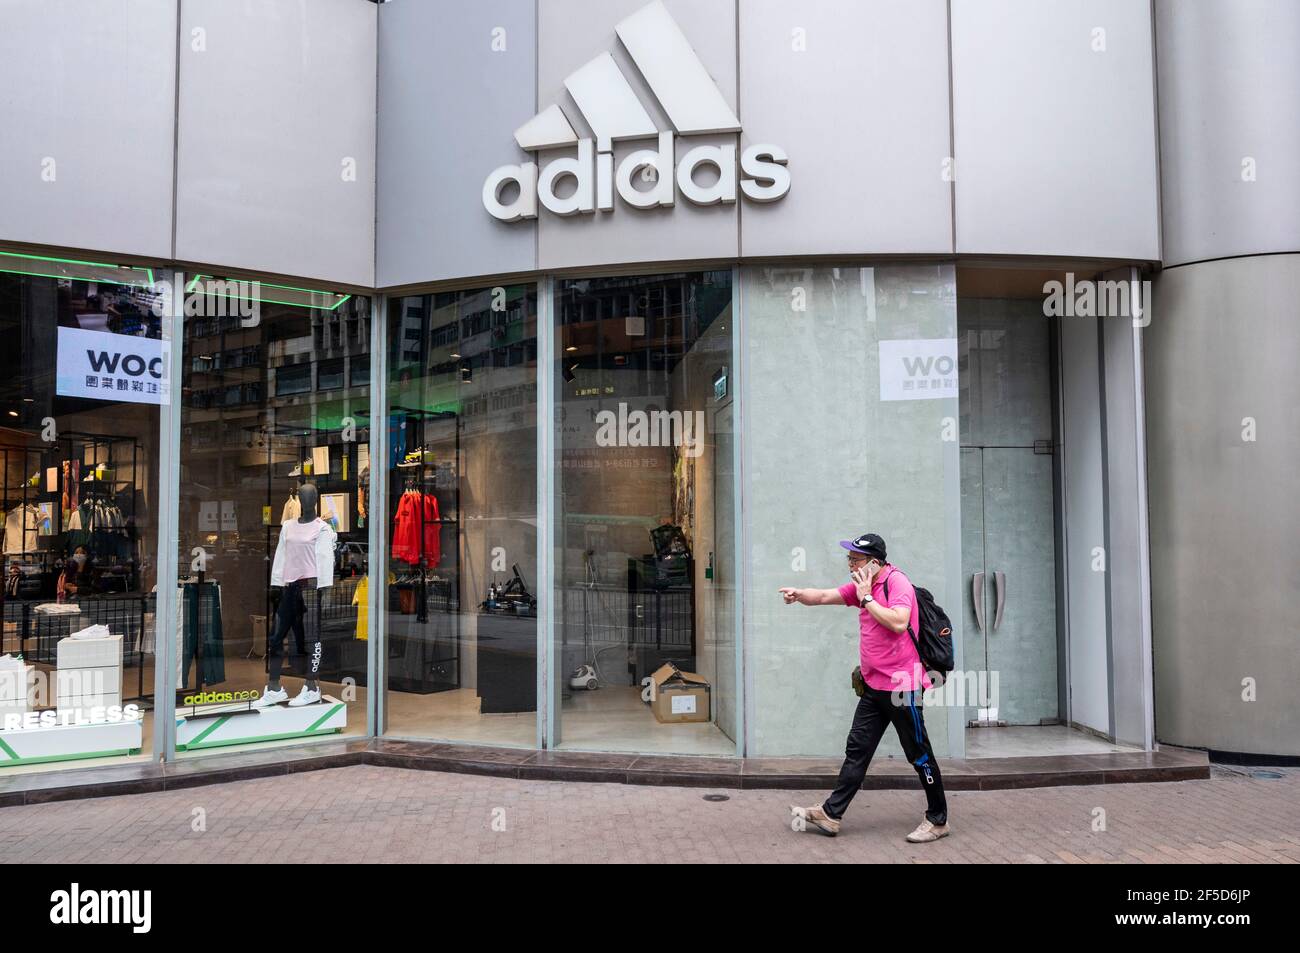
(57, 608)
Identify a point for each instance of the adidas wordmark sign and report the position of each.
(693, 104)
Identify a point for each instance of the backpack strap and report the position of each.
(916, 644)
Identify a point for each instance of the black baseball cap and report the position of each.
(868, 544)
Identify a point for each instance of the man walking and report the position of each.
(894, 679)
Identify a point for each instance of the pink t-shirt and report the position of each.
(299, 542)
(889, 660)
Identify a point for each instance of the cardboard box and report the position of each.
(677, 696)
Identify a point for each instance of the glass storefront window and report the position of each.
(852, 427)
(81, 378)
(271, 623)
(460, 597)
(645, 564)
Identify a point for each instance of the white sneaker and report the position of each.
(305, 697)
(925, 833)
(269, 698)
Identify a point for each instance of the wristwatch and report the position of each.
(865, 600)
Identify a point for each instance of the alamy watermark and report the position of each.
(1098, 299)
(651, 428)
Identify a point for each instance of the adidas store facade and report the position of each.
(583, 327)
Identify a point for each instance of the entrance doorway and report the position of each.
(1009, 577)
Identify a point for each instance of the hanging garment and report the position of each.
(396, 439)
(201, 614)
(406, 542)
(304, 551)
(292, 510)
(360, 599)
(432, 531)
(417, 530)
(21, 529)
(100, 526)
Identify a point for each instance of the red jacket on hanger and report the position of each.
(416, 530)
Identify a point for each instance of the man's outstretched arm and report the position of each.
(811, 597)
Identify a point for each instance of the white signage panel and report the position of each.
(106, 366)
(919, 369)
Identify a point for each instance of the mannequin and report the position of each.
(304, 560)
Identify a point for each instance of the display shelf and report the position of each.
(425, 642)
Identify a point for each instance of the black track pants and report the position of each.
(876, 709)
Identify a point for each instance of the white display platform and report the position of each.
(69, 742)
(215, 726)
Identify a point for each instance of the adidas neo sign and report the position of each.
(694, 105)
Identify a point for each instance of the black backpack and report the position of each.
(934, 642)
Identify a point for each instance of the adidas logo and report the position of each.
(693, 104)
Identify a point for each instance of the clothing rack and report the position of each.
(30, 460)
(419, 660)
(81, 453)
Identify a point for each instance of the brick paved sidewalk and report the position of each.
(386, 814)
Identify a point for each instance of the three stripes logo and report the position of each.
(689, 98)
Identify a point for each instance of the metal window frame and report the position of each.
(376, 657)
(167, 558)
(547, 332)
(739, 445)
(548, 676)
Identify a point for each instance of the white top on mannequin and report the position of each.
(305, 550)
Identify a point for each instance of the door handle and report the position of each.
(999, 587)
(977, 597)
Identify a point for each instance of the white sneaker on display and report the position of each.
(305, 697)
(269, 698)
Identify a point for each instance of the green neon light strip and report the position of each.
(264, 284)
(66, 261)
(9, 751)
(299, 304)
(102, 281)
(314, 291)
(117, 279)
